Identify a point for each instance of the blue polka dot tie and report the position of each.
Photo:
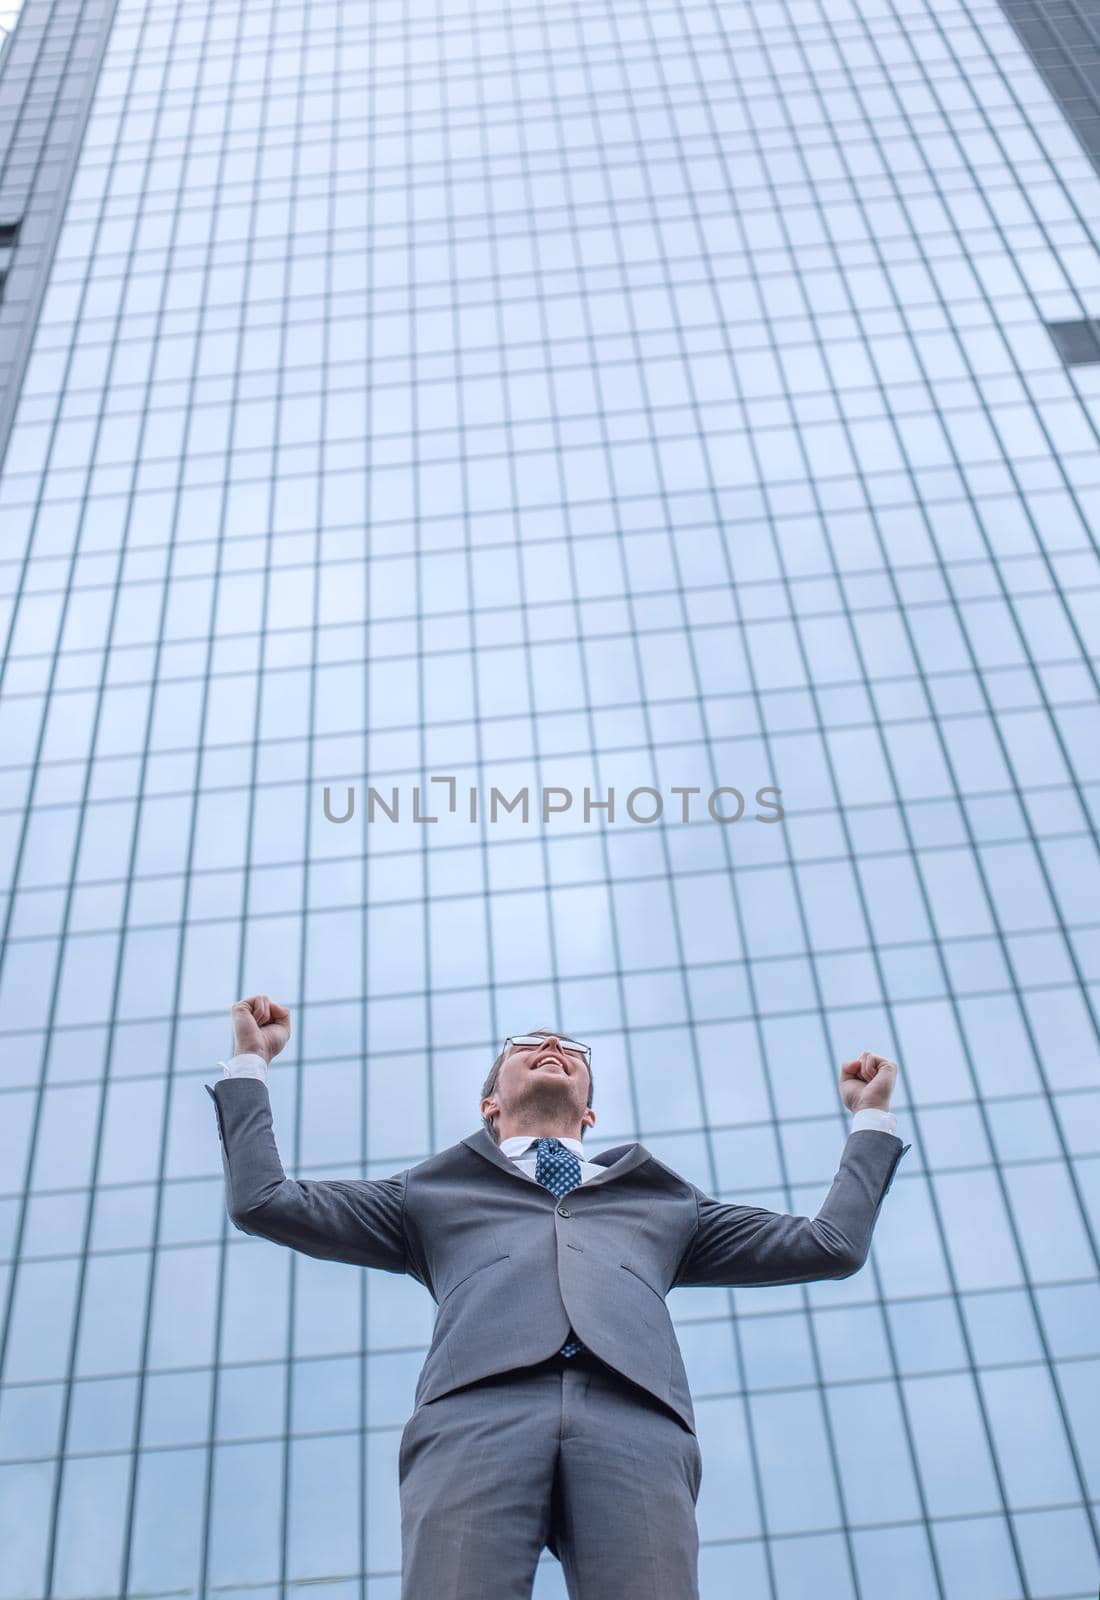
(560, 1170)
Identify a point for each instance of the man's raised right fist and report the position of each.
(261, 1026)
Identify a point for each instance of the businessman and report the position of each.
(552, 1409)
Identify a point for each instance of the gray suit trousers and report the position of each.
(565, 1455)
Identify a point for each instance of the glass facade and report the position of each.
(555, 397)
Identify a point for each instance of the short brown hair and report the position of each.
(494, 1073)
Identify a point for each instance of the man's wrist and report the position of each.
(874, 1117)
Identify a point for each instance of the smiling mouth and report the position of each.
(548, 1061)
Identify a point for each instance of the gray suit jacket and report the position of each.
(511, 1269)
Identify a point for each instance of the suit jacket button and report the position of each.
(564, 1211)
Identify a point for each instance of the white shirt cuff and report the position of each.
(884, 1121)
(245, 1066)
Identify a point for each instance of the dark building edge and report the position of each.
(1063, 40)
(48, 76)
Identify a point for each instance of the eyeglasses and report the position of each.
(524, 1039)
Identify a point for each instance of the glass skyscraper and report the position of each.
(663, 399)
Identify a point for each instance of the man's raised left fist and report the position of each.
(261, 1026)
(867, 1082)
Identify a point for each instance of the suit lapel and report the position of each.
(607, 1158)
(618, 1161)
(623, 1158)
(487, 1147)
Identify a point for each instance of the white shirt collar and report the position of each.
(518, 1143)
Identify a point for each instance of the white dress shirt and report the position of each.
(519, 1146)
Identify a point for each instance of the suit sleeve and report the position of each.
(339, 1219)
(735, 1244)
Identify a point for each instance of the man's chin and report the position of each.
(549, 1095)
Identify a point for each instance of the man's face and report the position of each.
(542, 1080)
